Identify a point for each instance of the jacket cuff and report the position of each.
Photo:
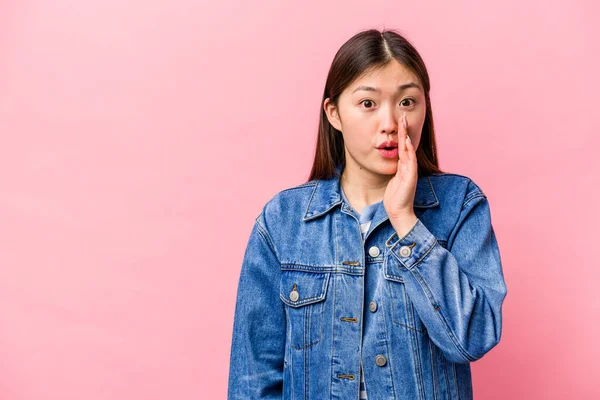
(410, 249)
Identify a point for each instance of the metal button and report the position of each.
(405, 251)
(380, 360)
(373, 306)
(374, 251)
(294, 295)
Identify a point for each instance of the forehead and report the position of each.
(386, 78)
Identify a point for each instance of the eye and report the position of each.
(370, 102)
(408, 98)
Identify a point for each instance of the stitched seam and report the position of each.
(455, 380)
(305, 347)
(310, 311)
(476, 196)
(333, 322)
(292, 373)
(446, 376)
(307, 316)
(416, 263)
(321, 319)
(335, 239)
(335, 242)
(434, 303)
(410, 327)
(447, 326)
(310, 199)
(390, 355)
(433, 372)
(301, 186)
(309, 183)
(305, 340)
(395, 306)
(303, 302)
(362, 310)
(265, 234)
(394, 320)
(320, 267)
(415, 348)
(432, 191)
(307, 268)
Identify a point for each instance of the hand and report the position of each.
(399, 195)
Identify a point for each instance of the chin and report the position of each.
(388, 168)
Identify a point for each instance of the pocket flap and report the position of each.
(299, 288)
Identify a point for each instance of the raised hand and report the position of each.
(399, 195)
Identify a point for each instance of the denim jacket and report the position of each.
(315, 301)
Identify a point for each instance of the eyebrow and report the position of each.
(399, 89)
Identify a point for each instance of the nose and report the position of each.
(389, 121)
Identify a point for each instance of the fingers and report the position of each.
(405, 122)
(410, 150)
(412, 155)
(402, 145)
(409, 147)
(406, 150)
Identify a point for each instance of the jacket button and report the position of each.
(405, 251)
(373, 306)
(380, 360)
(294, 295)
(374, 251)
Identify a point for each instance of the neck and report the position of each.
(362, 187)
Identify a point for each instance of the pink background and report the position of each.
(140, 139)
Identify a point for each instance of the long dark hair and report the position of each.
(364, 51)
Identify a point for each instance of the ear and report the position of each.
(332, 114)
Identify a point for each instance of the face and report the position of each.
(369, 112)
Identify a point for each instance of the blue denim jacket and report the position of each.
(315, 301)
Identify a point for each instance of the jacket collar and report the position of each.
(327, 195)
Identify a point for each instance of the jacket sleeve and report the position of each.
(258, 342)
(457, 292)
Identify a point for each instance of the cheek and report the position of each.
(417, 141)
(356, 138)
(358, 141)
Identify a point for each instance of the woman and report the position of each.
(380, 277)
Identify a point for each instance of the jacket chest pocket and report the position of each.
(403, 311)
(304, 294)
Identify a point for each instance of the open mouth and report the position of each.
(389, 151)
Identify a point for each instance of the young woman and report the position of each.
(380, 277)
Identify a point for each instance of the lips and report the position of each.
(389, 145)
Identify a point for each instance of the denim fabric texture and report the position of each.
(315, 300)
